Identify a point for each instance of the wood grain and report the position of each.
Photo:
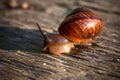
(21, 54)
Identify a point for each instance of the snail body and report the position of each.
(56, 44)
(79, 27)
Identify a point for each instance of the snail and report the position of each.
(78, 28)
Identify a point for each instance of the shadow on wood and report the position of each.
(13, 38)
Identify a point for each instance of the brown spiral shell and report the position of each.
(80, 24)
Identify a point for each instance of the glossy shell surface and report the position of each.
(80, 24)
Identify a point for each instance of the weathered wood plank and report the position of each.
(21, 55)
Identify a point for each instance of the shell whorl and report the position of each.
(80, 24)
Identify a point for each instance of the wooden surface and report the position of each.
(21, 55)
